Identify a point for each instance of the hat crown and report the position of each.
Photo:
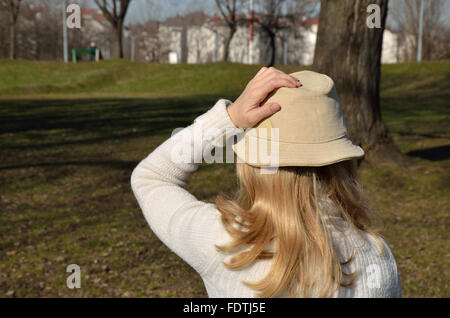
(309, 114)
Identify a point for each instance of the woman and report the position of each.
(298, 226)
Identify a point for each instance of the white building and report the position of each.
(206, 43)
(294, 45)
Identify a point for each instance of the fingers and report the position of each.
(261, 71)
(272, 75)
(270, 72)
(277, 82)
(260, 113)
(266, 81)
(293, 80)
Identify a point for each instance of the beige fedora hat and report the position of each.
(309, 129)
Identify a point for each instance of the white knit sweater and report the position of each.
(190, 227)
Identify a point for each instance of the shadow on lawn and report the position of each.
(432, 154)
(95, 120)
(127, 165)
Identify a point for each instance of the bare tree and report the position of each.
(13, 8)
(4, 31)
(115, 12)
(271, 22)
(47, 30)
(229, 10)
(350, 52)
(38, 31)
(405, 17)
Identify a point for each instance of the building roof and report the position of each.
(286, 20)
(93, 13)
(310, 22)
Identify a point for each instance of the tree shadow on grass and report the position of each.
(433, 154)
(95, 120)
(127, 165)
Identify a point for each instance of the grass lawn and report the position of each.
(70, 135)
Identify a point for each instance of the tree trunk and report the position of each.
(226, 53)
(350, 52)
(184, 45)
(118, 39)
(12, 38)
(273, 47)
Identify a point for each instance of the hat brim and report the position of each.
(298, 154)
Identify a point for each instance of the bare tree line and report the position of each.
(436, 29)
(273, 20)
(270, 18)
(115, 12)
(37, 33)
(12, 8)
(33, 30)
(25, 35)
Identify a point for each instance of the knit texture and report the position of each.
(191, 228)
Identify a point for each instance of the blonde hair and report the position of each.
(284, 207)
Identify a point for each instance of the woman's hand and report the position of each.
(247, 110)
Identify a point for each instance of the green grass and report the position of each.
(70, 136)
(120, 78)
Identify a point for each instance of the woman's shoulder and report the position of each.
(367, 248)
(370, 257)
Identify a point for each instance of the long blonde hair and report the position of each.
(284, 208)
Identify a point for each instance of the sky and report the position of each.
(142, 10)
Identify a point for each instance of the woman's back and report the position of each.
(301, 230)
(375, 272)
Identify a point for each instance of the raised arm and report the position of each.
(180, 221)
(190, 227)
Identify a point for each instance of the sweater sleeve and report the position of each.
(189, 227)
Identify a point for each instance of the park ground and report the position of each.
(70, 136)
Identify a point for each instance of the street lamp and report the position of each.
(65, 41)
(128, 34)
(419, 42)
(251, 32)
